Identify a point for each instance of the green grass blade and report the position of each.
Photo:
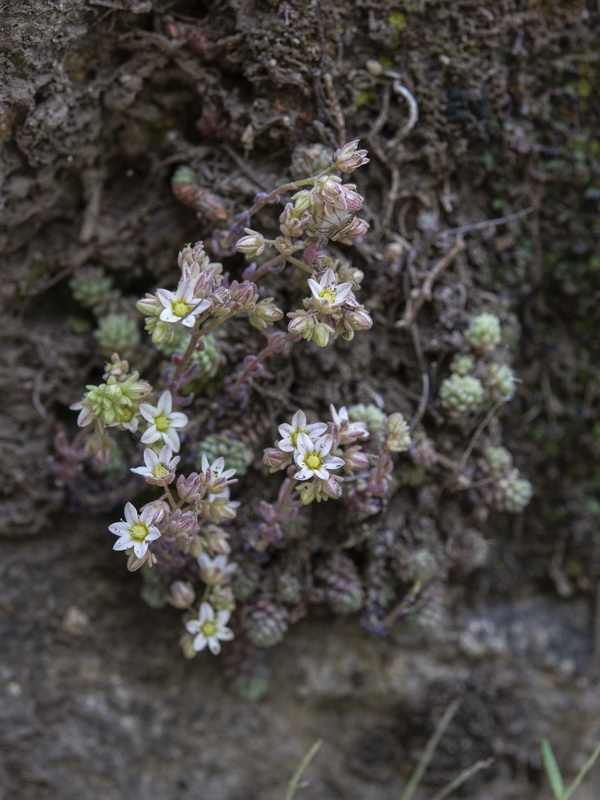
(415, 778)
(582, 772)
(460, 779)
(552, 771)
(293, 784)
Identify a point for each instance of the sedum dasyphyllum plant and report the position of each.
(186, 438)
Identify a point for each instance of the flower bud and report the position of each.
(348, 158)
(276, 459)
(149, 305)
(355, 459)
(284, 246)
(358, 228)
(322, 333)
(252, 245)
(359, 319)
(332, 487)
(183, 524)
(245, 294)
(303, 201)
(181, 594)
(159, 509)
(301, 322)
(265, 313)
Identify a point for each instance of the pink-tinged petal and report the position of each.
(147, 516)
(342, 291)
(143, 471)
(200, 643)
(316, 429)
(206, 613)
(333, 462)
(153, 534)
(285, 430)
(214, 645)
(285, 447)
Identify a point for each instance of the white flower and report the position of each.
(355, 430)
(328, 293)
(159, 469)
(215, 570)
(217, 478)
(209, 629)
(181, 306)
(313, 458)
(291, 432)
(163, 422)
(136, 532)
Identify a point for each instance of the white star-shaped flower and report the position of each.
(313, 458)
(290, 433)
(159, 469)
(181, 305)
(164, 422)
(215, 570)
(210, 629)
(355, 430)
(136, 531)
(328, 293)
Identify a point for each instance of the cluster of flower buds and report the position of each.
(313, 451)
(325, 210)
(202, 293)
(115, 403)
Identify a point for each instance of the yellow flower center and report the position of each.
(180, 308)
(159, 470)
(208, 628)
(328, 295)
(162, 423)
(313, 460)
(139, 531)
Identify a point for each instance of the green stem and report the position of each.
(415, 778)
(293, 784)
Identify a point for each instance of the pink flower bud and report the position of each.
(149, 305)
(349, 158)
(301, 322)
(276, 459)
(358, 228)
(181, 594)
(355, 459)
(284, 246)
(252, 245)
(183, 524)
(160, 510)
(358, 318)
(245, 294)
(265, 313)
(332, 487)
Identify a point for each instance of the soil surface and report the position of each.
(489, 202)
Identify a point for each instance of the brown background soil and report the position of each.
(99, 102)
